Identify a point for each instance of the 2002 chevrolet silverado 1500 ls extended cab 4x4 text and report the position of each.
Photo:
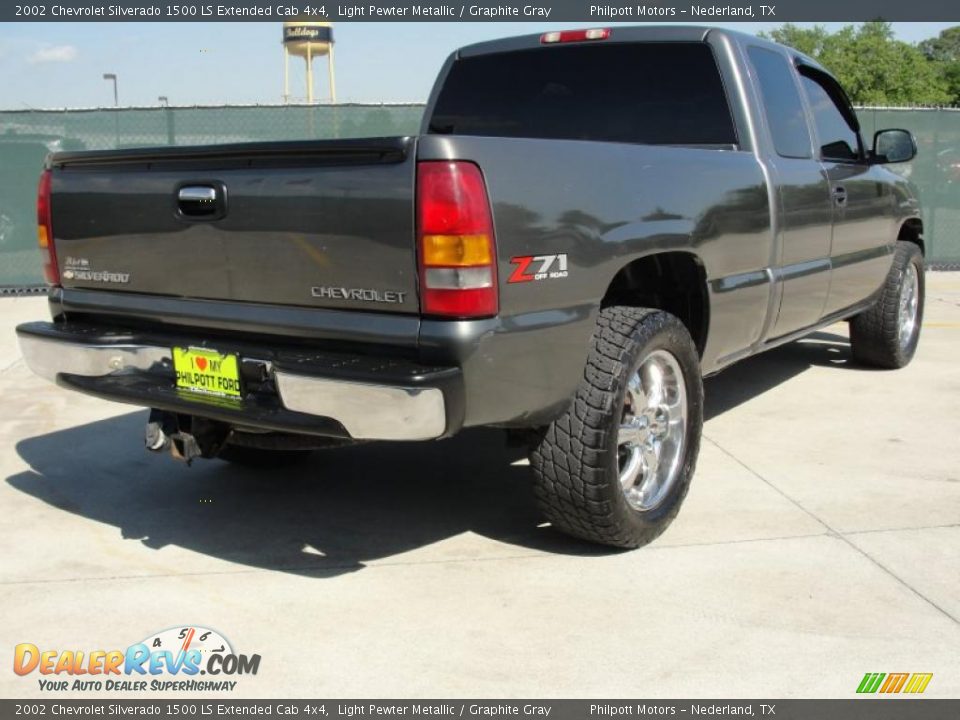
(588, 223)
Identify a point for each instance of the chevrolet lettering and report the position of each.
(361, 294)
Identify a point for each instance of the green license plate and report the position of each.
(207, 371)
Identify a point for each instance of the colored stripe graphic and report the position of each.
(918, 682)
(894, 682)
(870, 682)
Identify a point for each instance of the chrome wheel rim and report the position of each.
(651, 439)
(909, 305)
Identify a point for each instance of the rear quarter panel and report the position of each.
(604, 205)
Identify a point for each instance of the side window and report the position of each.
(838, 141)
(781, 103)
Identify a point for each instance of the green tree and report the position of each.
(943, 48)
(809, 41)
(874, 67)
(944, 52)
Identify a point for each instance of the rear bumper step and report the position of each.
(288, 390)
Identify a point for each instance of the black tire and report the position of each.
(875, 334)
(576, 461)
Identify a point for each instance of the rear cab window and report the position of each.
(657, 93)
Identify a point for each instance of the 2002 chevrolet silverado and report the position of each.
(588, 223)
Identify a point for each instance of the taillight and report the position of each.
(45, 231)
(575, 35)
(457, 255)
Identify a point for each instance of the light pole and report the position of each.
(113, 77)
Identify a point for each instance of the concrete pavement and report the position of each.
(820, 541)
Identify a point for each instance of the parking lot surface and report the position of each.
(820, 541)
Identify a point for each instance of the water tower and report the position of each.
(308, 40)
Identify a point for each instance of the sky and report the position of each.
(57, 65)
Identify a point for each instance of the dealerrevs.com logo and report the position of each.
(190, 658)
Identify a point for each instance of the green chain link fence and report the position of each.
(27, 136)
(936, 171)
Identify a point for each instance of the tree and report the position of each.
(944, 52)
(873, 66)
(943, 48)
(809, 41)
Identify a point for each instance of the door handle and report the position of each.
(201, 202)
(839, 194)
(197, 193)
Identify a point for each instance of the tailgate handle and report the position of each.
(200, 201)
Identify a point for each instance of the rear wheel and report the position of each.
(887, 334)
(615, 468)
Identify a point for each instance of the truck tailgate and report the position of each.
(317, 224)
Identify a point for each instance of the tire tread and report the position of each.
(572, 482)
(874, 333)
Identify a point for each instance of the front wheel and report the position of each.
(887, 334)
(616, 466)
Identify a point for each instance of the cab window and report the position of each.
(838, 140)
(657, 93)
(781, 103)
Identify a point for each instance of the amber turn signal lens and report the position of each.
(456, 250)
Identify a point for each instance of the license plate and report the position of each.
(207, 371)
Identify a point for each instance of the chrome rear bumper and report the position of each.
(367, 411)
(48, 358)
(140, 373)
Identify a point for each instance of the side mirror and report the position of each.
(894, 146)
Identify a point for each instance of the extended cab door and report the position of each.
(863, 222)
(801, 260)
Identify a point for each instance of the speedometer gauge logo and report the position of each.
(184, 639)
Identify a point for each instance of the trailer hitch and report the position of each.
(185, 436)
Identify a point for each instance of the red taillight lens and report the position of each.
(48, 251)
(456, 250)
(563, 36)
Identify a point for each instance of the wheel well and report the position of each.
(912, 231)
(673, 281)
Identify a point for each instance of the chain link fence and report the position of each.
(936, 172)
(26, 136)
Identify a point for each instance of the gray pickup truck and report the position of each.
(587, 224)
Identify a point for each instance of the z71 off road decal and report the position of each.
(538, 267)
